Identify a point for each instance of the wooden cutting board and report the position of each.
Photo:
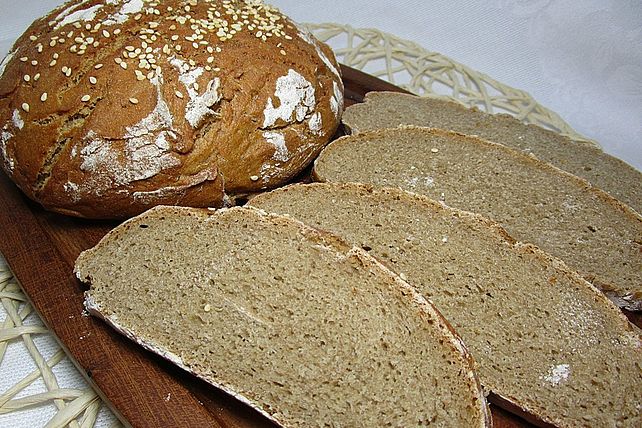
(142, 389)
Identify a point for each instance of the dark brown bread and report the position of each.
(108, 108)
(391, 109)
(305, 328)
(545, 339)
(562, 214)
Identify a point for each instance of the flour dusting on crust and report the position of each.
(311, 40)
(129, 8)
(315, 124)
(198, 107)
(147, 150)
(5, 61)
(17, 120)
(79, 15)
(296, 96)
(5, 136)
(278, 140)
(336, 101)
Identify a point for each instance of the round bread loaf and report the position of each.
(110, 107)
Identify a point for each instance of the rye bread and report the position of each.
(293, 321)
(535, 202)
(391, 109)
(544, 338)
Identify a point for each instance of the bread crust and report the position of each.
(109, 108)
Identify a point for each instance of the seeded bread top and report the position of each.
(110, 107)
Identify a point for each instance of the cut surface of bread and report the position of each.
(293, 321)
(391, 109)
(543, 337)
(535, 202)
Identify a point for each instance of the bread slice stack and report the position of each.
(535, 202)
(297, 323)
(391, 109)
(546, 341)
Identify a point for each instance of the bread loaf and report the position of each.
(545, 340)
(110, 107)
(391, 109)
(585, 227)
(300, 325)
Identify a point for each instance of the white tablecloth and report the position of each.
(582, 59)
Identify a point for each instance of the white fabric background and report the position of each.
(582, 59)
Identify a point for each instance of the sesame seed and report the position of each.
(123, 65)
(27, 78)
(33, 38)
(36, 77)
(43, 97)
(434, 150)
(34, 62)
(254, 178)
(179, 94)
(98, 66)
(52, 63)
(93, 80)
(133, 101)
(282, 52)
(85, 98)
(24, 59)
(25, 107)
(106, 33)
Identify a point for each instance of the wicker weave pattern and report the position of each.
(426, 73)
(383, 55)
(76, 408)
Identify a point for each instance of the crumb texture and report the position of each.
(389, 110)
(540, 334)
(310, 332)
(533, 201)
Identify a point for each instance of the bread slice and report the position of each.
(295, 322)
(390, 109)
(536, 202)
(544, 339)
